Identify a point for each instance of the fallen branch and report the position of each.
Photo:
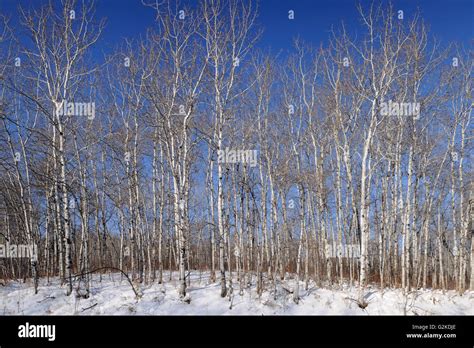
(114, 269)
(46, 298)
(290, 291)
(85, 309)
(362, 304)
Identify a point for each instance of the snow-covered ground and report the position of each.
(114, 296)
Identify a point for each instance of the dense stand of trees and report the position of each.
(141, 183)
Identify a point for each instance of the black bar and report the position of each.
(241, 330)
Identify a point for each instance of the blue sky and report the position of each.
(449, 20)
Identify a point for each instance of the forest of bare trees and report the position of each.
(192, 148)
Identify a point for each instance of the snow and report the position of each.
(113, 296)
